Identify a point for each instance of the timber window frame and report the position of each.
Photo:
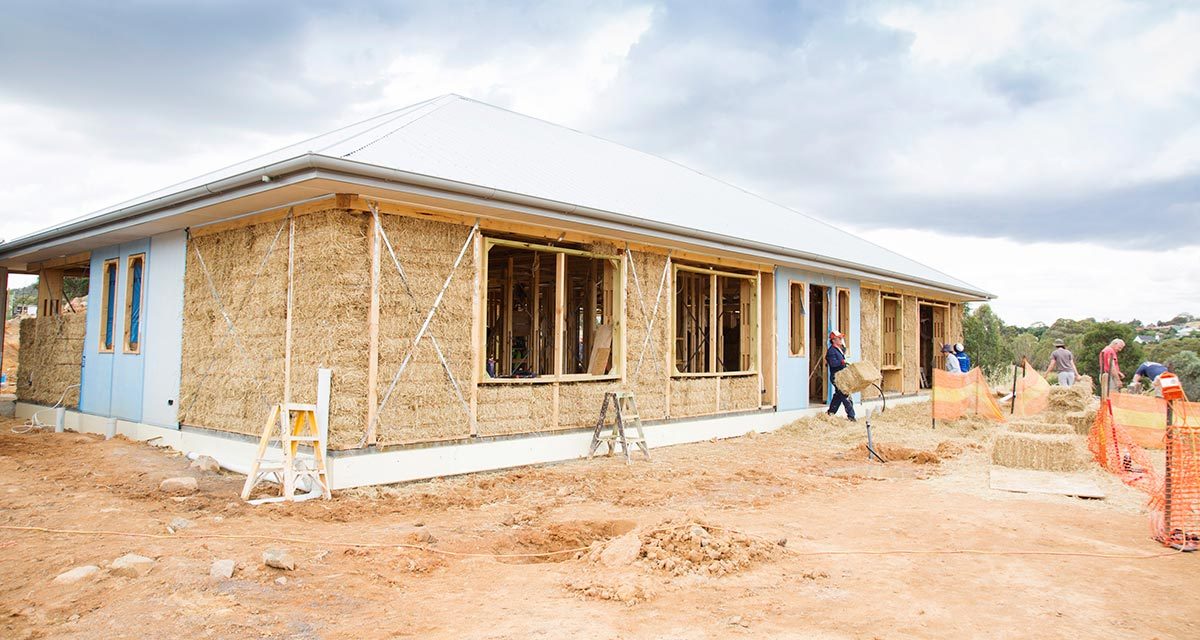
(894, 328)
(843, 314)
(797, 318)
(108, 304)
(135, 292)
(576, 279)
(735, 311)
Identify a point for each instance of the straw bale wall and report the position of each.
(693, 396)
(331, 299)
(579, 403)
(651, 382)
(911, 358)
(516, 408)
(869, 334)
(954, 324)
(740, 393)
(51, 351)
(228, 383)
(424, 406)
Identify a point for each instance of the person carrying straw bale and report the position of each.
(835, 357)
(1110, 366)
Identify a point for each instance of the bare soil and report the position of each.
(786, 535)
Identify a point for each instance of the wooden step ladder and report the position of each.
(291, 424)
(627, 416)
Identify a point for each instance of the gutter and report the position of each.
(312, 161)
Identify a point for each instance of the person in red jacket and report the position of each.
(1109, 364)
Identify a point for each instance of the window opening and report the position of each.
(714, 322)
(133, 302)
(108, 305)
(796, 318)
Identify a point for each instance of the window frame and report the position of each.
(755, 347)
(108, 303)
(130, 261)
(792, 318)
(617, 354)
(844, 330)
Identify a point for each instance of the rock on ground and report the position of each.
(206, 463)
(131, 565)
(78, 574)
(178, 523)
(279, 559)
(622, 551)
(179, 486)
(221, 569)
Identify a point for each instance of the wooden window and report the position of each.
(715, 321)
(796, 318)
(135, 271)
(108, 305)
(889, 327)
(843, 313)
(551, 313)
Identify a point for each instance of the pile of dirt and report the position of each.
(626, 589)
(680, 547)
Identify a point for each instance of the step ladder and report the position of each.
(625, 406)
(292, 424)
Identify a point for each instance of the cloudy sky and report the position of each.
(1046, 152)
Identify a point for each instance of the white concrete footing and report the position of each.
(429, 461)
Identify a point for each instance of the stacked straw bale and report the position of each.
(911, 353)
(1045, 452)
(1041, 427)
(51, 351)
(1081, 421)
(868, 336)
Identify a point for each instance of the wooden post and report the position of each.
(507, 341)
(560, 304)
(50, 293)
(713, 330)
(670, 347)
(535, 316)
(758, 336)
(4, 313)
(287, 333)
(373, 331)
(478, 355)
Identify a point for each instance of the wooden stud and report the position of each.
(758, 334)
(713, 303)
(287, 334)
(669, 355)
(50, 293)
(373, 332)
(478, 297)
(535, 346)
(560, 303)
(506, 344)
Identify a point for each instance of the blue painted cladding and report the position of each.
(111, 382)
(96, 379)
(792, 371)
(128, 368)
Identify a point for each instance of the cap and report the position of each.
(958, 346)
(836, 334)
(1058, 342)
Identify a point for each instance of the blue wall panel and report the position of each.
(95, 394)
(127, 368)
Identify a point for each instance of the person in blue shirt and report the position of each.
(1150, 371)
(964, 360)
(835, 357)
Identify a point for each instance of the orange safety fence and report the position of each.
(1033, 393)
(959, 394)
(1122, 424)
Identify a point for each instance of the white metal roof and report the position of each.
(463, 140)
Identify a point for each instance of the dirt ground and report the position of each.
(786, 535)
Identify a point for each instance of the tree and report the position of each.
(1186, 365)
(983, 334)
(1087, 359)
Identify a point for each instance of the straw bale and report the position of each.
(857, 377)
(1046, 452)
(740, 393)
(651, 382)
(331, 300)
(869, 334)
(1081, 421)
(954, 323)
(1073, 398)
(911, 339)
(51, 351)
(693, 397)
(424, 406)
(229, 384)
(579, 403)
(516, 408)
(1027, 426)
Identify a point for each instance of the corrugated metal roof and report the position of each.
(463, 140)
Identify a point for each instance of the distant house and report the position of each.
(1146, 338)
(476, 280)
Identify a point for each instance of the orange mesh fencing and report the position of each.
(1033, 393)
(960, 394)
(1175, 494)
